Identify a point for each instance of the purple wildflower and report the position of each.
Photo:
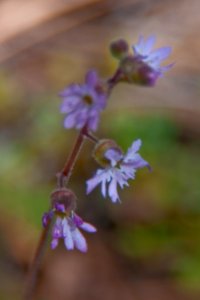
(83, 103)
(67, 227)
(152, 58)
(121, 168)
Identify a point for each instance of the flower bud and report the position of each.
(100, 150)
(63, 200)
(119, 48)
(137, 71)
(147, 76)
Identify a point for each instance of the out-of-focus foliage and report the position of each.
(173, 187)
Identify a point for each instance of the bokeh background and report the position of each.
(148, 247)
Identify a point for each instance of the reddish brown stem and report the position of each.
(91, 137)
(65, 174)
(35, 266)
(114, 79)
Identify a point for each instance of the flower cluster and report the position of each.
(82, 104)
(119, 169)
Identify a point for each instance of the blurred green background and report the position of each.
(147, 247)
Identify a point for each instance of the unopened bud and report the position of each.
(129, 67)
(101, 148)
(65, 198)
(137, 71)
(147, 76)
(119, 48)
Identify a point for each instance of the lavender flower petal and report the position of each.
(68, 240)
(144, 48)
(160, 54)
(92, 78)
(79, 240)
(88, 227)
(132, 150)
(112, 190)
(113, 155)
(100, 177)
(54, 243)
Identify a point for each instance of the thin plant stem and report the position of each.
(114, 79)
(64, 175)
(35, 266)
(91, 137)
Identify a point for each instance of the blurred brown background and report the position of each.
(148, 247)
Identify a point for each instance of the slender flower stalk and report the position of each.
(116, 78)
(65, 174)
(35, 266)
